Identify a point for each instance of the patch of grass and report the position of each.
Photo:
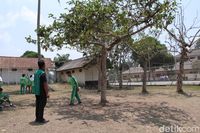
(194, 88)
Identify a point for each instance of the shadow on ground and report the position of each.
(143, 113)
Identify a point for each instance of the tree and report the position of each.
(31, 54)
(181, 34)
(97, 26)
(145, 50)
(61, 59)
(119, 57)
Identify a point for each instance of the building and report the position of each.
(191, 66)
(12, 68)
(191, 70)
(84, 69)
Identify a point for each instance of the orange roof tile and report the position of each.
(20, 62)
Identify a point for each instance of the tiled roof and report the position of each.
(77, 63)
(20, 63)
(134, 70)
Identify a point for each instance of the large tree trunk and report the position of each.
(99, 74)
(181, 71)
(104, 77)
(144, 80)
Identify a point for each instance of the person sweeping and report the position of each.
(74, 85)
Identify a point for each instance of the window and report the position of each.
(198, 57)
(80, 70)
(73, 71)
(30, 69)
(14, 69)
(136, 76)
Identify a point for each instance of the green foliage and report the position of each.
(31, 54)
(163, 58)
(149, 49)
(120, 56)
(61, 59)
(90, 25)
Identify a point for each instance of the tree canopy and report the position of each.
(96, 26)
(30, 54)
(61, 59)
(150, 49)
(104, 23)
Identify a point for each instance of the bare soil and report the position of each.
(127, 111)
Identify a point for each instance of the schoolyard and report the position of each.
(127, 111)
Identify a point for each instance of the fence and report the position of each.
(156, 75)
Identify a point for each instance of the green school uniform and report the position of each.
(3, 96)
(36, 88)
(74, 84)
(22, 85)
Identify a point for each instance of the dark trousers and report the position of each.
(40, 104)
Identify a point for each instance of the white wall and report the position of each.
(80, 76)
(87, 74)
(13, 77)
(91, 73)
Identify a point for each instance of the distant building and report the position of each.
(191, 66)
(84, 69)
(136, 74)
(11, 68)
(191, 70)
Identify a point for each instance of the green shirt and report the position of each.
(23, 81)
(37, 76)
(73, 82)
(3, 95)
(29, 82)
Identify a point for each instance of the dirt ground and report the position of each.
(127, 111)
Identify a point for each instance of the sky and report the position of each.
(18, 19)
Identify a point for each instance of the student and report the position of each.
(23, 84)
(74, 84)
(4, 98)
(29, 84)
(41, 92)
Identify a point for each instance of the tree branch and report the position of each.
(196, 34)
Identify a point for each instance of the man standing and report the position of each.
(74, 84)
(41, 91)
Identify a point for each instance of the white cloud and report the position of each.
(31, 16)
(7, 20)
(24, 14)
(28, 15)
(5, 37)
(10, 2)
